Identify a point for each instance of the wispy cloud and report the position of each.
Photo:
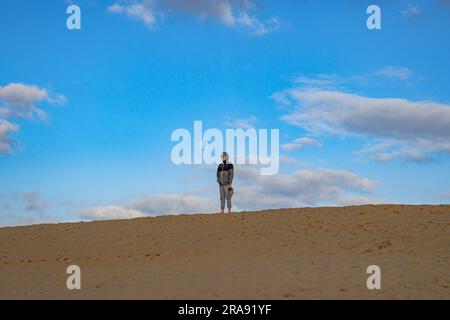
(389, 150)
(445, 195)
(232, 13)
(141, 11)
(34, 201)
(301, 143)
(20, 219)
(411, 11)
(318, 80)
(387, 74)
(245, 123)
(6, 143)
(24, 208)
(255, 25)
(397, 73)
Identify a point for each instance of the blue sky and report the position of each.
(362, 113)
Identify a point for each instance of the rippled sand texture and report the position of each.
(305, 253)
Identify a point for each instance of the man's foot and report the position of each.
(229, 210)
(221, 210)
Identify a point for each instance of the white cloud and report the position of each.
(415, 128)
(397, 149)
(21, 95)
(172, 204)
(256, 26)
(142, 11)
(151, 205)
(300, 143)
(398, 73)
(247, 123)
(116, 8)
(232, 13)
(304, 187)
(58, 99)
(109, 212)
(19, 101)
(6, 143)
(290, 161)
(411, 11)
(339, 112)
(220, 10)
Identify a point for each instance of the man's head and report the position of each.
(224, 156)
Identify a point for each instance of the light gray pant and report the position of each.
(225, 194)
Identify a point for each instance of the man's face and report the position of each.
(224, 157)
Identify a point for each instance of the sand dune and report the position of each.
(302, 253)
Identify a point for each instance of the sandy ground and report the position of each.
(303, 253)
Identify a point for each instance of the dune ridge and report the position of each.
(301, 253)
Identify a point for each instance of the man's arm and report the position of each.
(217, 174)
(231, 171)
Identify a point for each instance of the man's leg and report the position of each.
(228, 199)
(222, 198)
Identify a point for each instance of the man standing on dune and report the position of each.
(225, 174)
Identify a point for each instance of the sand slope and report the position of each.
(280, 254)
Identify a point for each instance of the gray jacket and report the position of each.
(225, 173)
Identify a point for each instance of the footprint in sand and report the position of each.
(384, 244)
